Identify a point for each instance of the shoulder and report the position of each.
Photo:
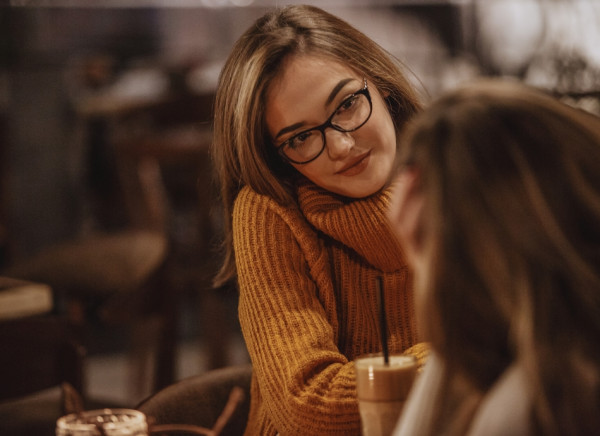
(248, 197)
(252, 210)
(505, 410)
(418, 411)
(248, 201)
(259, 222)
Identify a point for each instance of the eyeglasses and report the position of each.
(350, 115)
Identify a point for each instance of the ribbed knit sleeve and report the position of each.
(307, 307)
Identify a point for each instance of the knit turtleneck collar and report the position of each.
(360, 224)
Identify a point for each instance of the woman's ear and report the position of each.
(406, 212)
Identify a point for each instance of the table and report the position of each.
(21, 298)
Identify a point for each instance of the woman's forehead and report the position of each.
(307, 89)
(311, 71)
(303, 77)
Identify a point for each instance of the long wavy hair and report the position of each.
(242, 151)
(511, 236)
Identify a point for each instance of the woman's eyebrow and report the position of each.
(336, 89)
(288, 129)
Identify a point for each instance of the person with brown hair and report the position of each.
(498, 207)
(306, 115)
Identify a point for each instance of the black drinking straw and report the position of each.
(382, 321)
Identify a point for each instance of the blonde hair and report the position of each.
(511, 180)
(242, 150)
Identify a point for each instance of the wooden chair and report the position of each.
(172, 137)
(40, 361)
(115, 275)
(202, 400)
(137, 275)
(107, 280)
(111, 278)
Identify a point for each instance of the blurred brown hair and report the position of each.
(511, 181)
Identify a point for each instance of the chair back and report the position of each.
(41, 374)
(38, 352)
(201, 400)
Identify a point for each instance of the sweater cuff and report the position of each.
(421, 352)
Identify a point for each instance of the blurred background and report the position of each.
(106, 189)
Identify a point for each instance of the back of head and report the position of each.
(512, 183)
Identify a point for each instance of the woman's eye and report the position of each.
(299, 140)
(347, 104)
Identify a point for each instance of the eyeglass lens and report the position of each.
(349, 116)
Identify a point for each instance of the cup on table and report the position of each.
(382, 390)
(103, 422)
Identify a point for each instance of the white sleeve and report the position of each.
(506, 408)
(418, 410)
(504, 411)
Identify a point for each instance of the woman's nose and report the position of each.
(339, 144)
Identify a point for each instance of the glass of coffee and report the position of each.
(103, 422)
(382, 389)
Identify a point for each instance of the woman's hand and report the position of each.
(406, 213)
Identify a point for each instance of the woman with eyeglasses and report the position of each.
(306, 116)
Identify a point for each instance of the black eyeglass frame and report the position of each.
(321, 128)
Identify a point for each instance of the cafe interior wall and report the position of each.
(444, 43)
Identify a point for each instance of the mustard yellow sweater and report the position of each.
(308, 305)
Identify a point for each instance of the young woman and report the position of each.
(498, 207)
(306, 115)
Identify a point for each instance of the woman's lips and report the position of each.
(355, 166)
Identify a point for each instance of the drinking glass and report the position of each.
(382, 389)
(103, 422)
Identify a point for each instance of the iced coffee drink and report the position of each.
(382, 390)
